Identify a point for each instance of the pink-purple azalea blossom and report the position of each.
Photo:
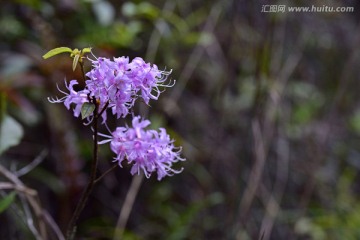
(147, 150)
(116, 85)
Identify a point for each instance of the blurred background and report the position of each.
(265, 107)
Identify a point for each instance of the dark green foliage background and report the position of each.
(266, 107)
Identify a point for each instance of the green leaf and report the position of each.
(87, 109)
(6, 201)
(75, 52)
(10, 133)
(86, 50)
(56, 51)
(75, 62)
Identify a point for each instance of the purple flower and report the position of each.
(147, 150)
(120, 82)
(78, 98)
(108, 83)
(117, 84)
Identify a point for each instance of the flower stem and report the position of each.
(107, 171)
(127, 206)
(104, 108)
(71, 231)
(82, 69)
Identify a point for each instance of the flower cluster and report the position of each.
(148, 150)
(116, 85)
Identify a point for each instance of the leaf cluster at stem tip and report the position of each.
(74, 53)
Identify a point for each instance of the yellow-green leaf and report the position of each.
(75, 52)
(87, 109)
(86, 50)
(56, 51)
(6, 201)
(75, 62)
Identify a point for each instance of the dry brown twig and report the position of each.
(127, 206)
(37, 218)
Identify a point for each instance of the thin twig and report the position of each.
(29, 218)
(53, 225)
(82, 70)
(9, 175)
(255, 175)
(127, 206)
(85, 195)
(157, 33)
(196, 55)
(32, 165)
(31, 197)
(105, 173)
(273, 203)
(104, 108)
(19, 188)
